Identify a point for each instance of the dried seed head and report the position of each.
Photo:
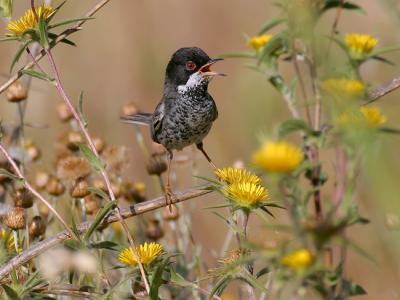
(55, 187)
(6, 166)
(73, 167)
(116, 158)
(37, 227)
(44, 211)
(129, 109)
(80, 189)
(135, 192)
(92, 204)
(100, 184)
(41, 179)
(16, 92)
(156, 165)
(64, 113)
(33, 152)
(99, 144)
(158, 149)
(154, 231)
(15, 219)
(171, 213)
(23, 198)
(70, 140)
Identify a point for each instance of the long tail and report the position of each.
(140, 119)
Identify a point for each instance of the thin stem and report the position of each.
(131, 211)
(63, 35)
(34, 192)
(107, 181)
(303, 88)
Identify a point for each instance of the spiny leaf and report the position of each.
(10, 175)
(69, 21)
(11, 293)
(157, 279)
(73, 244)
(85, 123)
(293, 125)
(44, 39)
(346, 5)
(99, 193)
(99, 218)
(17, 55)
(105, 245)
(38, 75)
(271, 24)
(179, 280)
(92, 158)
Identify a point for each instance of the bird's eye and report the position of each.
(190, 66)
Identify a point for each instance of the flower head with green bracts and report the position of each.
(360, 45)
(344, 87)
(148, 252)
(29, 21)
(365, 116)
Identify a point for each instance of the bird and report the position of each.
(186, 111)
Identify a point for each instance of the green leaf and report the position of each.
(99, 218)
(10, 175)
(54, 36)
(74, 245)
(17, 55)
(271, 24)
(12, 294)
(9, 38)
(69, 21)
(384, 50)
(105, 245)
(43, 36)
(99, 192)
(157, 279)
(346, 5)
(38, 75)
(96, 163)
(74, 228)
(6, 8)
(383, 60)
(220, 286)
(85, 123)
(277, 42)
(293, 125)
(179, 280)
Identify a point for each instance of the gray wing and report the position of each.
(158, 117)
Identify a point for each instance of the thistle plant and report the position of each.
(71, 214)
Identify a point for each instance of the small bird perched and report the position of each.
(186, 111)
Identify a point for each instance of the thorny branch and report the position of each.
(131, 211)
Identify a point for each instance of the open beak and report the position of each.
(206, 69)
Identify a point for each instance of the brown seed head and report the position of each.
(80, 189)
(44, 211)
(92, 204)
(64, 113)
(156, 165)
(55, 187)
(99, 144)
(170, 213)
(100, 184)
(23, 198)
(116, 158)
(15, 219)
(158, 149)
(41, 179)
(16, 92)
(33, 152)
(37, 227)
(116, 188)
(154, 231)
(129, 109)
(73, 168)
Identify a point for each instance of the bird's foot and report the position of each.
(169, 197)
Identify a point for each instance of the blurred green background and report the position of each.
(121, 57)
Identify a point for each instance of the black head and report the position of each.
(184, 63)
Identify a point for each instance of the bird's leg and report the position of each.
(201, 148)
(167, 189)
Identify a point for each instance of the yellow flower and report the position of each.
(246, 194)
(344, 87)
(360, 44)
(278, 157)
(148, 252)
(369, 116)
(29, 21)
(259, 41)
(298, 260)
(10, 239)
(231, 175)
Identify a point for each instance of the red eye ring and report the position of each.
(190, 66)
